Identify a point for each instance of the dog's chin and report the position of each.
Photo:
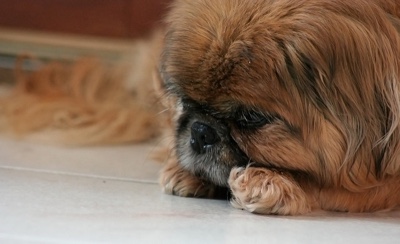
(207, 167)
(211, 163)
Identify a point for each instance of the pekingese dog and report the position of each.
(292, 105)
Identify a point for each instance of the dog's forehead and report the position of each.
(222, 61)
(208, 69)
(202, 67)
(232, 82)
(201, 55)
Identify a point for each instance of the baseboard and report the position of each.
(59, 46)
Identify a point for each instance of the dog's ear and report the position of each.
(333, 87)
(303, 73)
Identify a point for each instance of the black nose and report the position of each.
(202, 136)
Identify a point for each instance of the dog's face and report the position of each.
(291, 85)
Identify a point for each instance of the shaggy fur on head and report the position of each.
(291, 104)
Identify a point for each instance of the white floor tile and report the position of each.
(88, 195)
(129, 162)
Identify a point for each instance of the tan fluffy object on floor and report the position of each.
(84, 102)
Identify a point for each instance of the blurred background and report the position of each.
(34, 33)
(105, 18)
(69, 29)
(37, 36)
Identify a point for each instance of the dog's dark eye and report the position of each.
(253, 119)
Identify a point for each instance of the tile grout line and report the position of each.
(54, 172)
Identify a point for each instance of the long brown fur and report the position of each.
(329, 70)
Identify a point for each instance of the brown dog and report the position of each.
(291, 104)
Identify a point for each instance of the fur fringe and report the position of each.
(86, 102)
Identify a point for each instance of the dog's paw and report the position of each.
(264, 191)
(176, 181)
